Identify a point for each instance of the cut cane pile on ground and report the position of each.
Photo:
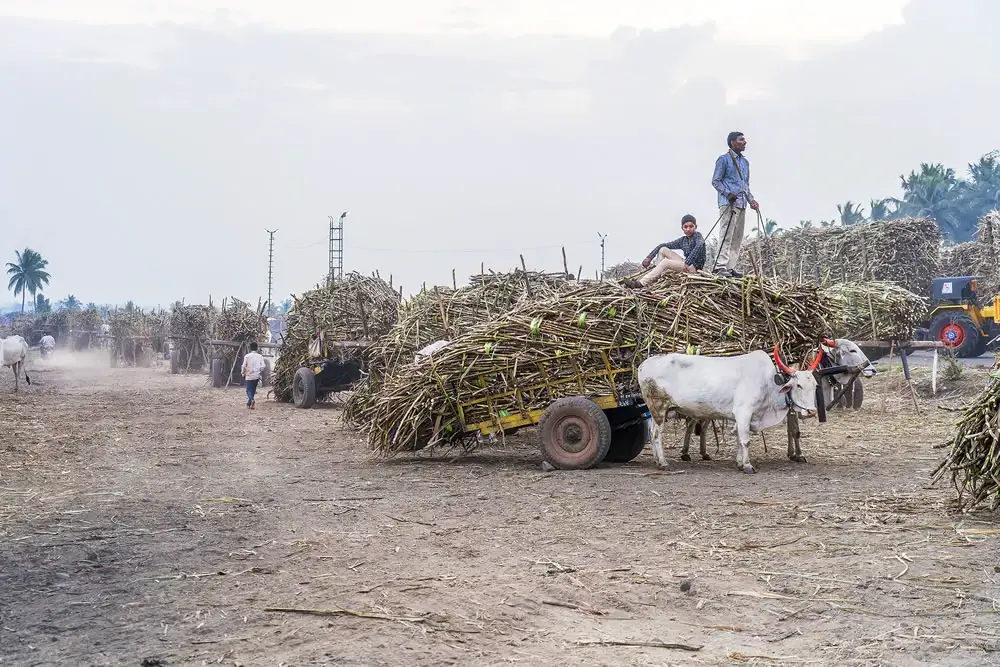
(357, 309)
(973, 459)
(558, 346)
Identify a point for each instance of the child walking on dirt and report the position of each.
(253, 366)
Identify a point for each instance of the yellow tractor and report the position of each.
(957, 318)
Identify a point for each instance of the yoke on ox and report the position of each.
(745, 389)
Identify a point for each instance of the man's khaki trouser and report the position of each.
(665, 260)
(731, 237)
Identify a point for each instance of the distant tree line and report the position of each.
(933, 191)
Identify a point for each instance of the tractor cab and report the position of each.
(954, 291)
(958, 320)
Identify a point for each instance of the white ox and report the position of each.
(14, 350)
(836, 352)
(745, 389)
(844, 352)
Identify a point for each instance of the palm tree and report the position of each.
(770, 227)
(850, 213)
(982, 193)
(42, 305)
(881, 209)
(805, 224)
(70, 303)
(27, 274)
(935, 192)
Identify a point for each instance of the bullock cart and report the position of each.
(226, 356)
(131, 351)
(334, 365)
(605, 421)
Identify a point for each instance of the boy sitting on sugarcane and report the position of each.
(665, 257)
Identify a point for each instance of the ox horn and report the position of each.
(819, 357)
(830, 342)
(779, 363)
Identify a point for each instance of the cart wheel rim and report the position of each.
(573, 434)
(952, 335)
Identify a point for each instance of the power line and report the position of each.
(270, 270)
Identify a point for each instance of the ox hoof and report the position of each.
(685, 457)
(706, 457)
(662, 466)
(798, 458)
(748, 469)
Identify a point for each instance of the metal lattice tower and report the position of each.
(336, 248)
(270, 270)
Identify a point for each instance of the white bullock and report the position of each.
(14, 350)
(844, 352)
(745, 389)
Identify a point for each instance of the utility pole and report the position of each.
(336, 248)
(602, 237)
(270, 270)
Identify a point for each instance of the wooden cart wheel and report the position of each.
(574, 433)
(217, 373)
(859, 394)
(304, 388)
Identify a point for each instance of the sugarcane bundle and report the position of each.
(129, 329)
(623, 270)
(442, 313)
(88, 319)
(903, 251)
(191, 327)
(977, 258)
(23, 324)
(240, 323)
(874, 310)
(562, 346)
(974, 454)
(357, 308)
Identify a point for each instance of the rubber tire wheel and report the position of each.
(217, 373)
(265, 375)
(970, 344)
(175, 362)
(859, 394)
(984, 343)
(627, 443)
(304, 388)
(578, 423)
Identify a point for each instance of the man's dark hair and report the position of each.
(253, 347)
(688, 218)
(733, 136)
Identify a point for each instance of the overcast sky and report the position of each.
(145, 146)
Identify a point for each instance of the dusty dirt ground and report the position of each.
(148, 519)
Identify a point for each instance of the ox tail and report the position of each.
(26, 378)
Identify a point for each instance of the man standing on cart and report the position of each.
(731, 180)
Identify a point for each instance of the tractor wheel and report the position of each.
(958, 333)
(304, 388)
(574, 433)
(217, 373)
